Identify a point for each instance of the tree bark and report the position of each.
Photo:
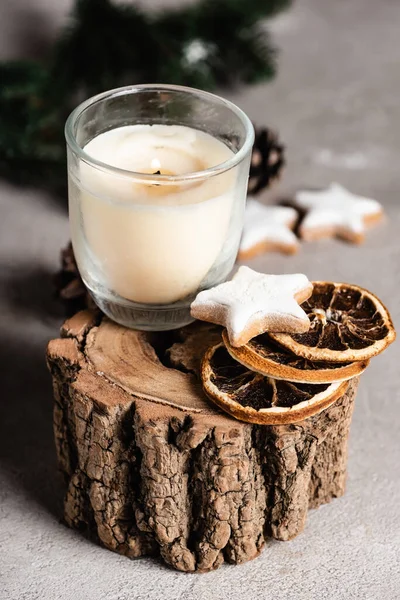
(152, 467)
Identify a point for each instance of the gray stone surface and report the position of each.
(335, 104)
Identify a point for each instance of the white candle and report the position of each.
(154, 243)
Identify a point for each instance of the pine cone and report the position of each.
(267, 160)
(70, 288)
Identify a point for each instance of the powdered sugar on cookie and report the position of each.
(267, 228)
(337, 212)
(253, 303)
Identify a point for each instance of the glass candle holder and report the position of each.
(157, 179)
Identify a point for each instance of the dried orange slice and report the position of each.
(348, 323)
(253, 398)
(264, 356)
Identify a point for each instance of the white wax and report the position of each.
(155, 243)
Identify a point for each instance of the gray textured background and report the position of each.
(336, 105)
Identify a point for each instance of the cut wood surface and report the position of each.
(152, 467)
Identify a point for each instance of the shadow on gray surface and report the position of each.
(27, 453)
(31, 291)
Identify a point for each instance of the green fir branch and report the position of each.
(106, 45)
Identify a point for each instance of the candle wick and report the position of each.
(157, 173)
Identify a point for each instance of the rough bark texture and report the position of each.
(153, 468)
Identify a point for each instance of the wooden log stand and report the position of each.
(152, 467)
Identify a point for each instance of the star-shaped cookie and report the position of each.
(337, 212)
(253, 303)
(267, 228)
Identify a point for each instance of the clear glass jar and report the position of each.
(156, 212)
